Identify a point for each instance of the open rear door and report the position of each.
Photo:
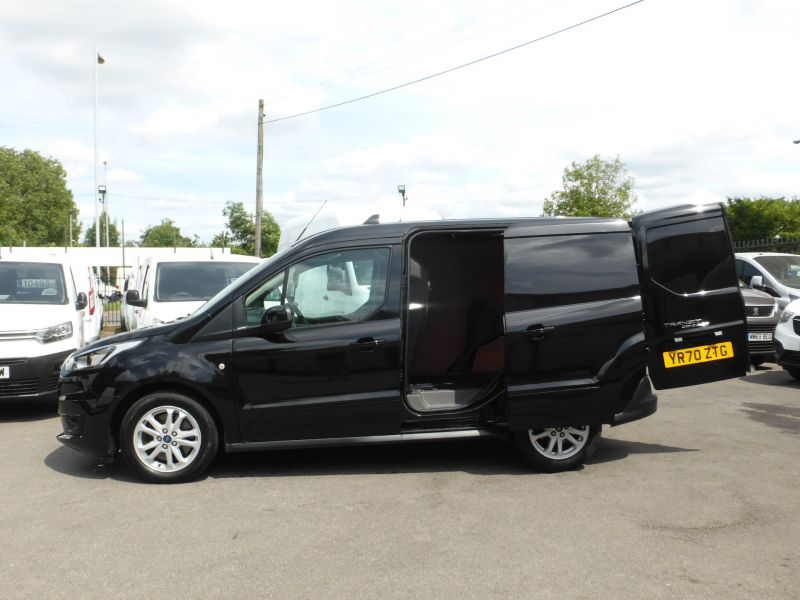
(694, 318)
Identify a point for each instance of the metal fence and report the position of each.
(778, 244)
(110, 291)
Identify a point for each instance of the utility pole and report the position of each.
(259, 175)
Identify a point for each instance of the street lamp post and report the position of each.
(401, 189)
(97, 60)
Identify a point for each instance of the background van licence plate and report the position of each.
(698, 354)
(5, 372)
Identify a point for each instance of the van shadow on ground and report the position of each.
(19, 411)
(477, 457)
(775, 377)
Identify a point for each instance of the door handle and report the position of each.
(538, 332)
(366, 344)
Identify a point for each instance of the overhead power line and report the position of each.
(456, 68)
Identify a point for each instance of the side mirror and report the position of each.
(757, 282)
(81, 301)
(276, 318)
(132, 298)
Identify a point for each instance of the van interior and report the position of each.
(455, 351)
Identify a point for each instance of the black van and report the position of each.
(540, 330)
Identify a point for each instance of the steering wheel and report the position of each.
(182, 295)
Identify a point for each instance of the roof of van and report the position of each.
(218, 258)
(55, 258)
(387, 232)
(757, 254)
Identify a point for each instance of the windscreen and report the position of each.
(192, 281)
(785, 269)
(32, 283)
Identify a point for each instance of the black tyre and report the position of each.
(167, 437)
(757, 362)
(794, 372)
(557, 449)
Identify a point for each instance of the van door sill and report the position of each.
(418, 436)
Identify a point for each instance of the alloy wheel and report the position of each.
(166, 439)
(559, 443)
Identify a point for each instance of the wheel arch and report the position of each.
(130, 398)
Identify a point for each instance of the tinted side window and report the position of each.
(569, 269)
(691, 257)
(748, 271)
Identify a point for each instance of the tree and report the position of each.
(35, 205)
(113, 233)
(240, 233)
(595, 188)
(165, 235)
(763, 218)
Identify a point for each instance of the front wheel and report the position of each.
(167, 437)
(555, 449)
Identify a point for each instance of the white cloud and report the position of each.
(698, 99)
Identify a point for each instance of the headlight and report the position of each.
(96, 357)
(787, 314)
(55, 333)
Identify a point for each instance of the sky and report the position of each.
(698, 99)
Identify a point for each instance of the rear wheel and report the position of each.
(757, 362)
(555, 449)
(167, 437)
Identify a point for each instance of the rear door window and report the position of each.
(703, 244)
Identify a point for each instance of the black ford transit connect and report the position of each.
(540, 330)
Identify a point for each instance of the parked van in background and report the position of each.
(539, 331)
(86, 282)
(170, 288)
(762, 317)
(41, 323)
(773, 272)
(127, 311)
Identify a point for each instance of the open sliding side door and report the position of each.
(694, 319)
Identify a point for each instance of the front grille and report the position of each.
(21, 387)
(759, 311)
(52, 382)
(761, 346)
(12, 361)
(796, 325)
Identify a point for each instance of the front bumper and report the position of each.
(788, 359)
(86, 417)
(32, 378)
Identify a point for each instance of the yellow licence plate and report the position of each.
(698, 354)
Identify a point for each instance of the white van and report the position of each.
(170, 288)
(776, 273)
(85, 282)
(41, 323)
(128, 312)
